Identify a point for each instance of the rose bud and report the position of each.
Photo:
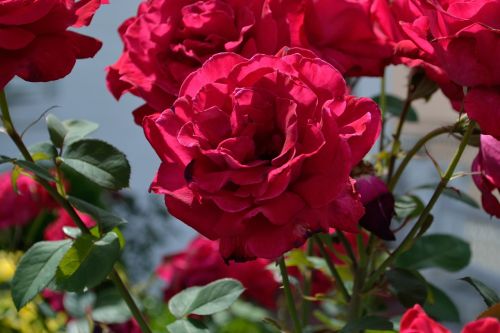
(379, 206)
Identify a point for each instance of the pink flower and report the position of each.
(54, 231)
(169, 39)
(415, 320)
(200, 263)
(35, 43)
(257, 152)
(486, 165)
(18, 209)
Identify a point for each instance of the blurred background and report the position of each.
(83, 95)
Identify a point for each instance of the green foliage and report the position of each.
(106, 220)
(99, 162)
(409, 286)
(443, 251)
(88, 262)
(110, 308)
(453, 193)
(395, 106)
(408, 206)
(64, 132)
(36, 169)
(187, 326)
(489, 296)
(439, 306)
(36, 269)
(43, 151)
(367, 323)
(214, 297)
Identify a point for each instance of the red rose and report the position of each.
(257, 152)
(35, 43)
(360, 49)
(486, 168)
(200, 263)
(168, 40)
(18, 209)
(54, 231)
(415, 320)
(461, 41)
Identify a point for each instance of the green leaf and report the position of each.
(110, 308)
(14, 176)
(443, 251)
(187, 326)
(99, 162)
(453, 193)
(439, 306)
(409, 286)
(36, 169)
(88, 262)
(43, 151)
(78, 129)
(489, 296)
(395, 106)
(408, 206)
(107, 220)
(57, 130)
(367, 323)
(5, 159)
(240, 325)
(214, 297)
(36, 269)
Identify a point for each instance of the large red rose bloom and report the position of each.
(169, 39)
(257, 152)
(35, 43)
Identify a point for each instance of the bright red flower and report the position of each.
(54, 231)
(18, 209)
(486, 168)
(200, 263)
(360, 49)
(169, 39)
(35, 43)
(459, 43)
(415, 320)
(257, 152)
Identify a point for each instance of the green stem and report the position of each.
(408, 240)
(397, 135)
(333, 270)
(348, 248)
(383, 107)
(11, 131)
(307, 286)
(289, 297)
(416, 148)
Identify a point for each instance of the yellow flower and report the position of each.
(7, 267)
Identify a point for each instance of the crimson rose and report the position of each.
(169, 39)
(415, 320)
(35, 43)
(54, 231)
(200, 264)
(462, 42)
(257, 152)
(356, 49)
(486, 168)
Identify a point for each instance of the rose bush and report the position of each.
(451, 38)
(168, 40)
(257, 152)
(415, 320)
(486, 168)
(21, 207)
(35, 43)
(200, 263)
